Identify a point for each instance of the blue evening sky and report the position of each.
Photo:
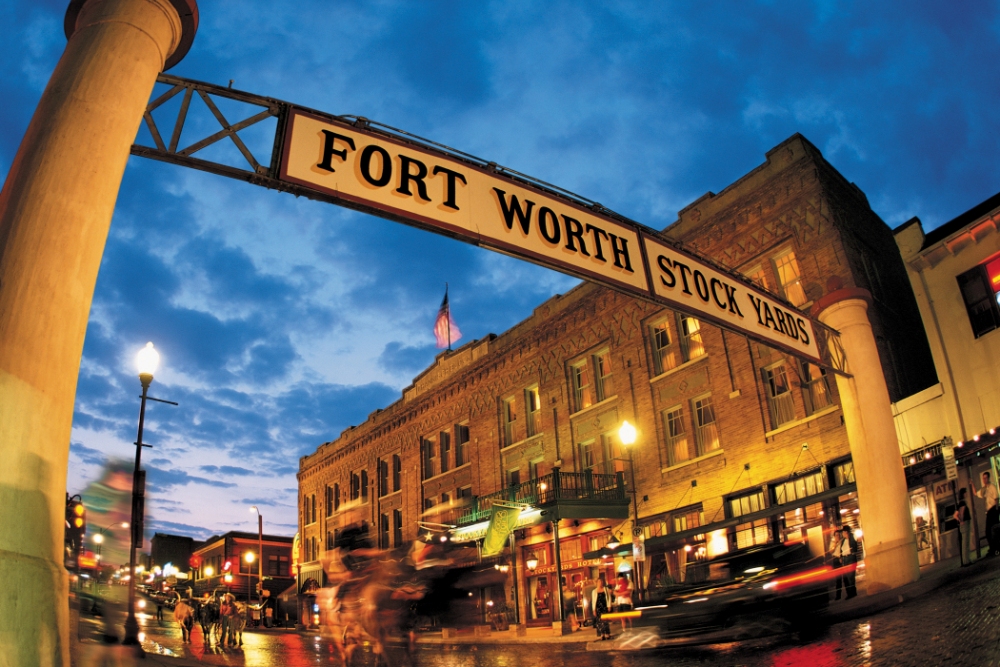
(283, 321)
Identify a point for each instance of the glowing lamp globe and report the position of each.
(147, 361)
(627, 433)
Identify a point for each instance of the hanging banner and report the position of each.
(503, 520)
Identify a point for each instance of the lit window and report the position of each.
(789, 278)
(692, 345)
(678, 442)
(509, 421)
(779, 395)
(581, 385)
(534, 411)
(759, 276)
(979, 287)
(664, 354)
(592, 379)
(815, 387)
(706, 431)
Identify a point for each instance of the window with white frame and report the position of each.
(815, 387)
(779, 394)
(799, 488)
(532, 411)
(706, 429)
(592, 379)
(678, 440)
(759, 276)
(509, 421)
(786, 268)
(587, 455)
(664, 351)
(692, 345)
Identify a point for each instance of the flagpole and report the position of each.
(449, 315)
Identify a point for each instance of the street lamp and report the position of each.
(147, 361)
(249, 558)
(260, 550)
(98, 537)
(627, 435)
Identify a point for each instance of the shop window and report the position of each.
(509, 421)
(656, 528)
(533, 411)
(461, 444)
(692, 345)
(979, 286)
(444, 448)
(598, 541)
(706, 430)
(397, 528)
(779, 395)
(815, 387)
(746, 503)
(427, 453)
(570, 549)
(797, 489)
(751, 534)
(664, 351)
(397, 472)
(786, 268)
(843, 473)
(678, 442)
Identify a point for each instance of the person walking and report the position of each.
(601, 604)
(988, 492)
(623, 597)
(964, 518)
(845, 559)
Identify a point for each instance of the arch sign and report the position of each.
(353, 162)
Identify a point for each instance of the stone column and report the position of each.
(890, 547)
(55, 211)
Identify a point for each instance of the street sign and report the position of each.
(948, 453)
(353, 162)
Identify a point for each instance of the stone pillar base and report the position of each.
(449, 633)
(560, 628)
(482, 631)
(890, 566)
(519, 630)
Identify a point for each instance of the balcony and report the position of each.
(575, 495)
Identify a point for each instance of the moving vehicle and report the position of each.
(748, 593)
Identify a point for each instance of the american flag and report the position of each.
(445, 329)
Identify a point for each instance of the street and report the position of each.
(955, 624)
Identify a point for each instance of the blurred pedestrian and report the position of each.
(845, 560)
(964, 518)
(623, 597)
(601, 603)
(988, 492)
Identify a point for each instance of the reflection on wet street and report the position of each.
(949, 626)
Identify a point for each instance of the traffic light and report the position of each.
(76, 523)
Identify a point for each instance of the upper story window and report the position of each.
(759, 276)
(752, 532)
(461, 444)
(359, 485)
(428, 455)
(815, 387)
(779, 395)
(843, 473)
(664, 351)
(309, 505)
(533, 411)
(678, 441)
(509, 411)
(692, 345)
(786, 268)
(706, 430)
(979, 286)
(383, 477)
(397, 528)
(397, 472)
(444, 447)
(592, 379)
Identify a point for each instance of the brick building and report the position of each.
(222, 555)
(739, 444)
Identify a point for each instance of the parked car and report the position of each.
(748, 593)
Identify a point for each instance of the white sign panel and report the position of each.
(718, 297)
(950, 467)
(493, 210)
(457, 197)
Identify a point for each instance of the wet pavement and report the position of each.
(956, 623)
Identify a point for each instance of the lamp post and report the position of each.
(627, 435)
(249, 558)
(260, 550)
(147, 361)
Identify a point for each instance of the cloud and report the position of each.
(166, 481)
(227, 470)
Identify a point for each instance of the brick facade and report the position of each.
(795, 201)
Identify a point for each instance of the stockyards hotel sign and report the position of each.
(414, 184)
